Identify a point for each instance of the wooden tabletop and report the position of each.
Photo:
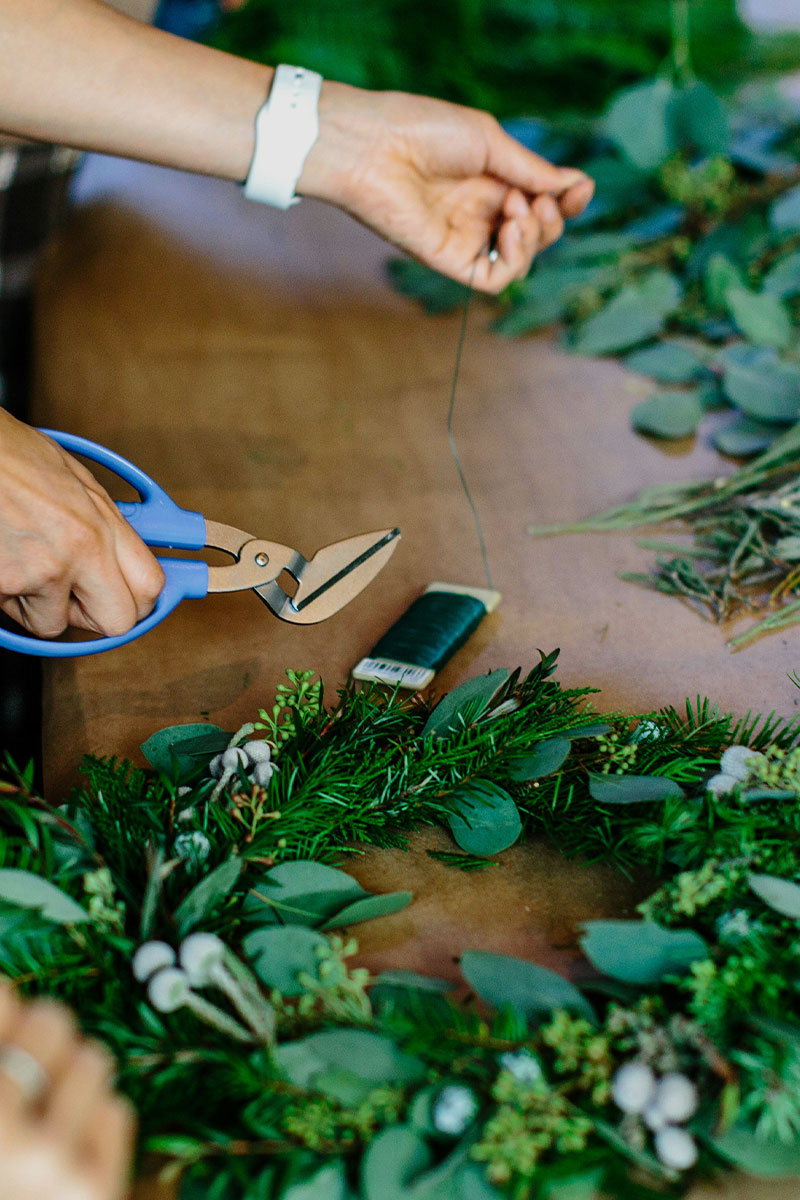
(258, 365)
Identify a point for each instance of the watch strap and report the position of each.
(287, 125)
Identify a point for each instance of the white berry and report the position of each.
(194, 846)
(654, 1118)
(258, 752)
(228, 761)
(233, 757)
(199, 954)
(722, 784)
(169, 989)
(676, 1148)
(649, 731)
(676, 1097)
(524, 1066)
(152, 957)
(262, 773)
(740, 761)
(454, 1109)
(634, 1087)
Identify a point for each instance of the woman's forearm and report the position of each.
(78, 73)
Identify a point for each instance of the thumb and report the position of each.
(519, 167)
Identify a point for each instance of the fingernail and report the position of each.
(548, 209)
(571, 176)
(518, 205)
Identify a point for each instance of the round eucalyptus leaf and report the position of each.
(370, 1055)
(780, 894)
(636, 314)
(668, 414)
(300, 893)
(666, 362)
(656, 224)
(759, 384)
(528, 316)
(27, 890)
(400, 978)
(282, 952)
(178, 750)
(700, 121)
(328, 1183)
(544, 759)
(485, 819)
(639, 123)
(784, 214)
(435, 292)
(501, 980)
(473, 1185)
(393, 1161)
(640, 952)
(744, 436)
(763, 1157)
(783, 277)
(464, 704)
(720, 276)
(588, 246)
(632, 789)
(594, 730)
(763, 318)
(369, 907)
(208, 894)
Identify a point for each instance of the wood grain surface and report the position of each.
(260, 368)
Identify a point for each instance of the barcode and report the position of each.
(381, 670)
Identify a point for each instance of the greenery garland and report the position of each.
(191, 915)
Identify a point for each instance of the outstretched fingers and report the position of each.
(109, 1147)
(44, 1031)
(512, 163)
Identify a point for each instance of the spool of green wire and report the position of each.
(427, 634)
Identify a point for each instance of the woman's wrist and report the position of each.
(346, 132)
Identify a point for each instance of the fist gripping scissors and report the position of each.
(324, 584)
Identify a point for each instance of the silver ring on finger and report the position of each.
(24, 1071)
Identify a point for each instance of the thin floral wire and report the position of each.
(450, 437)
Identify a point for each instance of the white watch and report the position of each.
(287, 126)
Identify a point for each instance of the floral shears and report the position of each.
(296, 589)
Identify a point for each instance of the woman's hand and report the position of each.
(440, 181)
(68, 1134)
(67, 556)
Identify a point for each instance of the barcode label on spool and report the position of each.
(385, 670)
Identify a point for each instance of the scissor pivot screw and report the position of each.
(262, 559)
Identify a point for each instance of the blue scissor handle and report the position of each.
(159, 522)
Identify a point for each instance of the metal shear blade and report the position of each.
(325, 583)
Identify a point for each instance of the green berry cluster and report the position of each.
(104, 907)
(581, 1052)
(531, 1120)
(777, 768)
(336, 990)
(692, 891)
(721, 991)
(619, 753)
(646, 1031)
(320, 1123)
(708, 186)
